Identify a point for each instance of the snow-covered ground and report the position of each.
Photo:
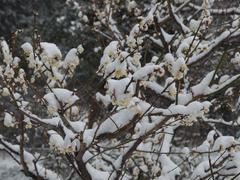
(9, 169)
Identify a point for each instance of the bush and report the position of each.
(168, 69)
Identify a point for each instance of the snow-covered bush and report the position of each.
(168, 51)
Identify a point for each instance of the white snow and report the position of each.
(8, 120)
(71, 60)
(59, 95)
(50, 50)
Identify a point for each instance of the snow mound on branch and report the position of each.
(51, 50)
(60, 95)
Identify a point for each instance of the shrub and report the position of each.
(170, 71)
